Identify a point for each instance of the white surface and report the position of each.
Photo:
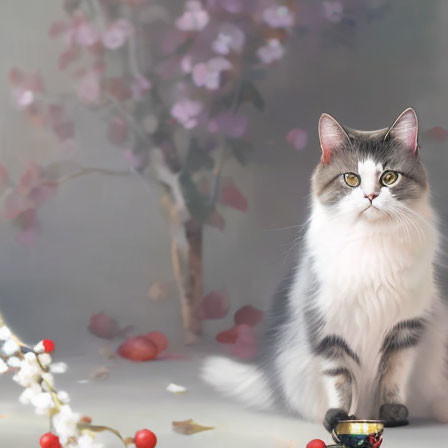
(134, 397)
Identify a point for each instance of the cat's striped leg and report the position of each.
(398, 360)
(337, 378)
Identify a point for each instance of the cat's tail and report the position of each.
(245, 382)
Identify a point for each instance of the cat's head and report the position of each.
(370, 175)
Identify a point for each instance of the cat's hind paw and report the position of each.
(394, 415)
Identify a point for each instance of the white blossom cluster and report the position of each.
(34, 371)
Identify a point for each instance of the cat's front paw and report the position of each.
(334, 416)
(394, 415)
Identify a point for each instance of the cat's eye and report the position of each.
(352, 179)
(388, 178)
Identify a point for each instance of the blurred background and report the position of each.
(73, 99)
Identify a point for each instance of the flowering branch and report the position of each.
(33, 369)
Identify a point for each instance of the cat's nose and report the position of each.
(371, 196)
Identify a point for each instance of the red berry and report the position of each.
(48, 345)
(316, 443)
(145, 439)
(49, 440)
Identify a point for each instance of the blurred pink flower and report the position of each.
(86, 35)
(186, 63)
(208, 74)
(186, 112)
(230, 38)
(131, 158)
(117, 33)
(22, 97)
(333, 11)
(194, 18)
(271, 52)
(140, 85)
(297, 138)
(278, 16)
(88, 89)
(15, 204)
(233, 125)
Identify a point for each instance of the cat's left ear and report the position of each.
(405, 130)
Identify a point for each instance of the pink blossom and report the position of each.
(194, 18)
(140, 85)
(271, 52)
(297, 137)
(86, 35)
(186, 63)
(208, 74)
(15, 204)
(230, 38)
(88, 89)
(186, 112)
(233, 125)
(134, 160)
(117, 33)
(23, 97)
(278, 16)
(333, 11)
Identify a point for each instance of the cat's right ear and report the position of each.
(331, 135)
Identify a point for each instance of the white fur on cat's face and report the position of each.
(357, 203)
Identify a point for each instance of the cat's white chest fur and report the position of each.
(373, 277)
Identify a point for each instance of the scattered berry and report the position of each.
(316, 443)
(49, 440)
(48, 345)
(145, 439)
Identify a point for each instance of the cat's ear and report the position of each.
(405, 130)
(331, 135)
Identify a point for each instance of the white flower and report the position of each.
(45, 359)
(48, 377)
(176, 388)
(14, 361)
(42, 401)
(39, 348)
(65, 423)
(271, 52)
(3, 366)
(5, 333)
(10, 347)
(63, 396)
(29, 393)
(29, 372)
(58, 367)
(195, 18)
(87, 441)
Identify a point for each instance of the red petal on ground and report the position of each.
(138, 349)
(159, 339)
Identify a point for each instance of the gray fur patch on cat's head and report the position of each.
(390, 148)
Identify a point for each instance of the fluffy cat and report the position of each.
(357, 328)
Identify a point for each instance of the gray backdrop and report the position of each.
(103, 240)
